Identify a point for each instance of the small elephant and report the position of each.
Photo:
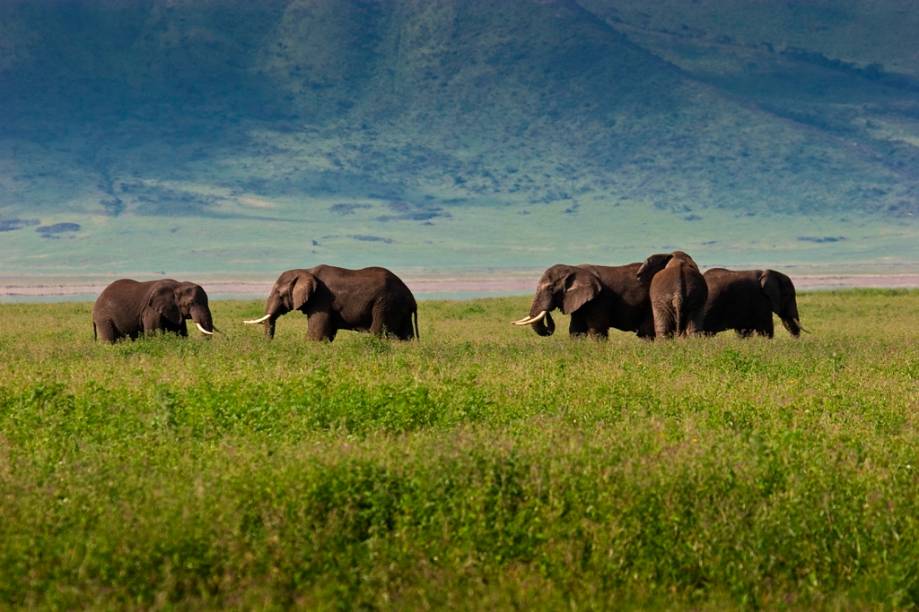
(678, 292)
(127, 308)
(370, 299)
(744, 300)
(596, 297)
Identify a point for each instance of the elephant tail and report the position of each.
(415, 319)
(95, 337)
(678, 312)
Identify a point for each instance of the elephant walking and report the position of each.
(128, 308)
(370, 299)
(596, 297)
(744, 300)
(678, 292)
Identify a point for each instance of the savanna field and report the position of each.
(481, 467)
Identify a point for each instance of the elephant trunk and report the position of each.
(539, 318)
(545, 326)
(274, 308)
(791, 320)
(793, 325)
(201, 315)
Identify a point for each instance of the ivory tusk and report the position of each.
(202, 330)
(531, 320)
(260, 320)
(798, 323)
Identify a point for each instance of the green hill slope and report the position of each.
(198, 137)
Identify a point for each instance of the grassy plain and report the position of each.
(482, 467)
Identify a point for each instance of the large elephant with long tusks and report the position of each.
(128, 308)
(596, 297)
(370, 299)
(744, 300)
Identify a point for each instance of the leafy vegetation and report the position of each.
(482, 467)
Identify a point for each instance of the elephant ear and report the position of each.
(185, 295)
(163, 301)
(301, 290)
(652, 265)
(582, 286)
(769, 281)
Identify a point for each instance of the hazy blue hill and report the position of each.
(460, 133)
(854, 31)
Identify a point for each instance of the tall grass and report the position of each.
(481, 467)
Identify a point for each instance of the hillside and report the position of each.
(202, 137)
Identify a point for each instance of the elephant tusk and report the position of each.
(798, 323)
(530, 320)
(256, 321)
(202, 330)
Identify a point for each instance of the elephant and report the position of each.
(744, 300)
(369, 299)
(596, 297)
(127, 308)
(678, 292)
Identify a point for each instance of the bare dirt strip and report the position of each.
(432, 286)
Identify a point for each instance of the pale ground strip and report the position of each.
(461, 285)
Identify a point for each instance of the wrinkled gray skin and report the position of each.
(744, 300)
(678, 293)
(369, 299)
(127, 309)
(596, 297)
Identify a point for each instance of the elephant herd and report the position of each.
(371, 299)
(664, 296)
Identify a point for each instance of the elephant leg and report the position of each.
(743, 333)
(695, 325)
(151, 322)
(766, 328)
(183, 330)
(320, 327)
(578, 327)
(598, 333)
(106, 331)
(405, 331)
(397, 325)
(663, 321)
(646, 328)
(378, 326)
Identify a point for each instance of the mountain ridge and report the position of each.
(431, 119)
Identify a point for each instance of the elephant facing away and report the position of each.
(744, 300)
(369, 299)
(128, 308)
(678, 292)
(596, 297)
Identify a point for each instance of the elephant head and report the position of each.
(781, 294)
(177, 302)
(564, 287)
(657, 262)
(292, 291)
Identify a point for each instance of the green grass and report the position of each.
(482, 467)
